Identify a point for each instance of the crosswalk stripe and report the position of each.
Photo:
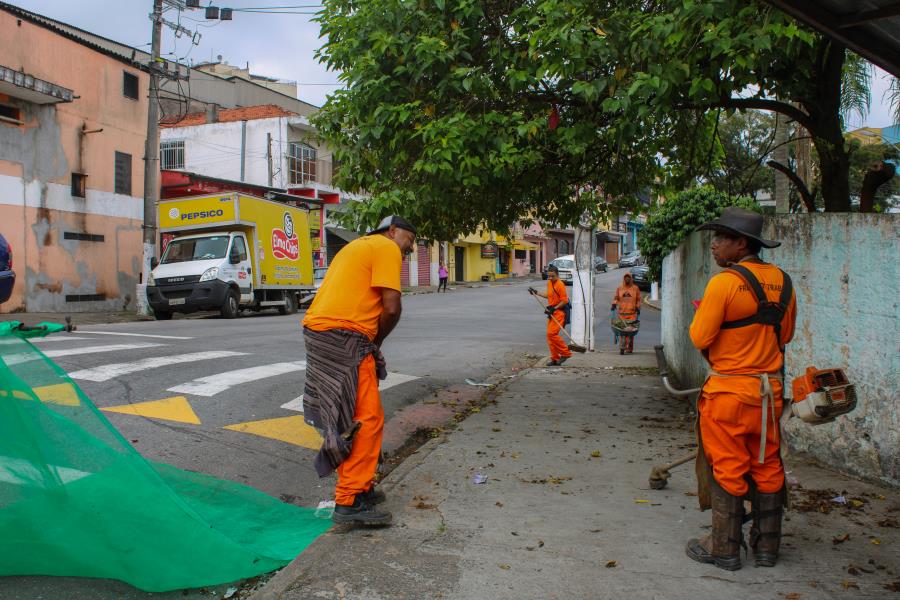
(214, 384)
(107, 372)
(391, 380)
(60, 338)
(95, 349)
(146, 335)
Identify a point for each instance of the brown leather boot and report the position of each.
(765, 534)
(723, 546)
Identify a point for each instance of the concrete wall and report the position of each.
(36, 163)
(847, 281)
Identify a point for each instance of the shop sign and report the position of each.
(489, 250)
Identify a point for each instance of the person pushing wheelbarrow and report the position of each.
(626, 312)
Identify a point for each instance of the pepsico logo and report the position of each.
(285, 244)
(174, 213)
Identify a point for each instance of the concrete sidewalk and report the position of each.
(566, 511)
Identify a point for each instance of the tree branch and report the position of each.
(798, 183)
(877, 175)
(788, 110)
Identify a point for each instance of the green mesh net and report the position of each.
(77, 500)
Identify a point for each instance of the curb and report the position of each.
(282, 581)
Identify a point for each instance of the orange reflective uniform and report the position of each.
(731, 405)
(627, 300)
(350, 295)
(350, 298)
(556, 293)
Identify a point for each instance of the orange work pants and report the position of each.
(557, 346)
(731, 439)
(356, 473)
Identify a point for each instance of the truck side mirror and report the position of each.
(154, 262)
(234, 258)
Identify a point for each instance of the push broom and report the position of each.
(572, 345)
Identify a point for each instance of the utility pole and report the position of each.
(151, 161)
(583, 287)
(269, 155)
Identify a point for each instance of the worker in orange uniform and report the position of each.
(353, 312)
(628, 303)
(557, 302)
(741, 326)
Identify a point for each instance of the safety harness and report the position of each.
(767, 313)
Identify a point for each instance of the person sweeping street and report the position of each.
(627, 303)
(355, 309)
(742, 324)
(557, 301)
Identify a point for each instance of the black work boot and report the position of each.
(723, 546)
(360, 513)
(373, 496)
(765, 534)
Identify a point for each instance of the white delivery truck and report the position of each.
(231, 251)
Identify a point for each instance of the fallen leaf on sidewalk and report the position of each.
(889, 522)
(504, 567)
(892, 586)
(875, 541)
(792, 596)
(610, 564)
(690, 493)
(595, 454)
(500, 504)
(849, 585)
(496, 429)
(642, 502)
(840, 539)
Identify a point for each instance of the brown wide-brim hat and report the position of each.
(741, 222)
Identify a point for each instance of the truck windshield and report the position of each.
(195, 249)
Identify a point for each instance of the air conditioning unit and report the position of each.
(225, 15)
(192, 3)
(212, 12)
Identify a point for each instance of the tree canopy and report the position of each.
(460, 113)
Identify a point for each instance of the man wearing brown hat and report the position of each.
(356, 308)
(743, 322)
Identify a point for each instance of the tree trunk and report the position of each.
(780, 155)
(828, 137)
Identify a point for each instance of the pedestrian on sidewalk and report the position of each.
(557, 302)
(742, 324)
(442, 278)
(355, 309)
(627, 302)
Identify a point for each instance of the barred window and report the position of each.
(123, 173)
(171, 154)
(301, 162)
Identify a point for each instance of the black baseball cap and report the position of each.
(396, 221)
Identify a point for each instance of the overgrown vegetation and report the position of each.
(678, 216)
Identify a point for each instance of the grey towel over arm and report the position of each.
(329, 399)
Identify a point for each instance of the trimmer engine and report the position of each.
(822, 395)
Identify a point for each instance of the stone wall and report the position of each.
(845, 273)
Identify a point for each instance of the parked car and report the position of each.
(600, 265)
(641, 277)
(631, 259)
(7, 275)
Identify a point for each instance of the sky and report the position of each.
(280, 46)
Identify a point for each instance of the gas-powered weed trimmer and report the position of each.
(572, 345)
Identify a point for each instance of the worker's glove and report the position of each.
(612, 308)
(380, 366)
(550, 310)
(532, 291)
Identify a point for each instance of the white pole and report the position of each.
(582, 298)
(654, 291)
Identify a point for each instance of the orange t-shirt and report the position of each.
(556, 293)
(627, 300)
(350, 295)
(743, 350)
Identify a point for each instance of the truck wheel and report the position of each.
(290, 304)
(232, 305)
(161, 315)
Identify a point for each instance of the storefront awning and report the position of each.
(524, 245)
(344, 234)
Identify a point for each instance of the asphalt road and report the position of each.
(230, 387)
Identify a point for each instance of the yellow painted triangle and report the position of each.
(176, 408)
(60, 393)
(293, 430)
